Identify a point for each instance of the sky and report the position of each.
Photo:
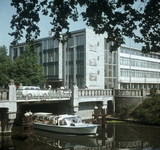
(7, 11)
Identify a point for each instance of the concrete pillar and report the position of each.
(113, 101)
(10, 114)
(143, 93)
(132, 86)
(74, 102)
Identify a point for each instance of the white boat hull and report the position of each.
(82, 129)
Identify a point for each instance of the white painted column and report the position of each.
(75, 103)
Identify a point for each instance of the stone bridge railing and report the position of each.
(52, 94)
(128, 92)
(94, 92)
(4, 94)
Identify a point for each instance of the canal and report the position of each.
(116, 135)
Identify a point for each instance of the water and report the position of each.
(113, 136)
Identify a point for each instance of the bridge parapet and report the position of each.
(94, 92)
(128, 92)
(49, 96)
(4, 94)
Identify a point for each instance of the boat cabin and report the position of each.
(60, 120)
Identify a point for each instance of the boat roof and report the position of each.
(51, 115)
(42, 114)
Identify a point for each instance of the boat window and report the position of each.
(74, 120)
(53, 120)
(63, 122)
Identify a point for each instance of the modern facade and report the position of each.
(86, 59)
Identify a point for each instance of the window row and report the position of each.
(18, 51)
(80, 69)
(78, 40)
(80, 83)
(139, 73)
(51, 56)
(139, 63)
(51, 71)
(138, 53)
(110, 58)
(70, 55)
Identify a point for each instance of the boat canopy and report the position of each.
(56, 120)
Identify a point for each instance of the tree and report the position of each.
(5, 66)
(148, 111)
(26, 70)
(119, 18)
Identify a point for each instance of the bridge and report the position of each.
(78, 101)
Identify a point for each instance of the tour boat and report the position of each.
(69, 124)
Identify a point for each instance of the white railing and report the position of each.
(52, 94)
(94, 92)
(120, 92)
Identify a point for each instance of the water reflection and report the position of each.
(64, 140)
(6, 142)
(113, 136)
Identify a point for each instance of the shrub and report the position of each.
(149, 110)
(125, 109)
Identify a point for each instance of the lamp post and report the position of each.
(130, 65)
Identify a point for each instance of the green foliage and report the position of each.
(119, 18)
(149, 110)
(5, 66)
(125, 109)
(26, 70)
(3, 53)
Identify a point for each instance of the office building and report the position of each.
(86, 59)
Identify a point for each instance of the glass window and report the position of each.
(56, 43)
(132, 73)
(80, 82)
(71, 69)
(80, 54)
(110, 58)
(132, 62)
(70, 83)
(21, 50)
(80, 40)
(44, 58)
(50, 70)
(105, 70)
(56, 56)
(45, 44)
(50, 43)
(45, 70)
(80, 68)
(127, 51)
(71, 41)
(105, 56)
(110, 71)
(50, 57)
(132, 52)
(122, 50)
(105, 44)
(56, 70)
(71, 55)
(114, 71)
(15, 52)
(114, 57)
